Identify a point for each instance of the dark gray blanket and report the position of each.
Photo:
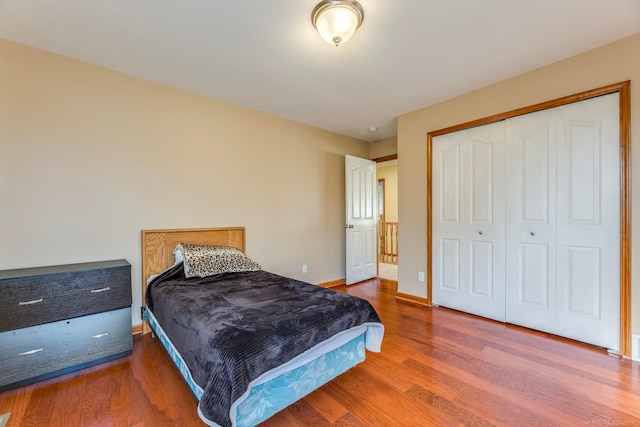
(233, 327)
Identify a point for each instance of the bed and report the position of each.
(247, 342)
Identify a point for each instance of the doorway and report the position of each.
(387, 173)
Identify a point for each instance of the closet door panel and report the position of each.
(449, 225)
(468, 223)
(449, 266)
(583, 287)
(481, 262)
(533, 174)
(530, 221)
(582, 175)
(533, 281)
(485, 201)
(449, 194)
(481, 183)
(588, 217)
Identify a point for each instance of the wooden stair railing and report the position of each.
(388, 242)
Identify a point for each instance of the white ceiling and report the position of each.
(266, 55)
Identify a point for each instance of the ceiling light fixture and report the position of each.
(337, 20)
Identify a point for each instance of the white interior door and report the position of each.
(468, 221)
(361, 219)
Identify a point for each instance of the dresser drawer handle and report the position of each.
(35, 301)
(100, 335)
(95, 291)
(26, 353)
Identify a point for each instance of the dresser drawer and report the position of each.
(50, 294)
(39, 350)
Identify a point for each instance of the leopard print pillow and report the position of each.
(207, 260)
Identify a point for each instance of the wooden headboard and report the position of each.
(158, 245)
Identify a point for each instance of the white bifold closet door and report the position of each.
(531, 220)
(469, 220)
(556, 192)
(563, 221)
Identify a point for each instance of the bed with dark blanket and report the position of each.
(231, 328)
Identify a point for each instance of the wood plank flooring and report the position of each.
(437, 368)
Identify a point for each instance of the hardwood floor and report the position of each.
(437, 367)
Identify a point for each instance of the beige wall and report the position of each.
(89, 157)
(383, 148)
(389, 172)
(612, 63)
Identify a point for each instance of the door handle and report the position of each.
(348, 226)
(533, 233)
(480, 232)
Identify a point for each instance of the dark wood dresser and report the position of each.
(58, 319)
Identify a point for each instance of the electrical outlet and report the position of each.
(420, 276)
(304, 268)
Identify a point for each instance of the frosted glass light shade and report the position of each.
(337, 20)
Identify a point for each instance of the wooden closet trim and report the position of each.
(624, 91)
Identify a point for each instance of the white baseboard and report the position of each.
(635, 347)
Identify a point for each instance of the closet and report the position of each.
(526, 220)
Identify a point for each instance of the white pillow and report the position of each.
(178, 255)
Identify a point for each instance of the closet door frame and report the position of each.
(624, 91)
